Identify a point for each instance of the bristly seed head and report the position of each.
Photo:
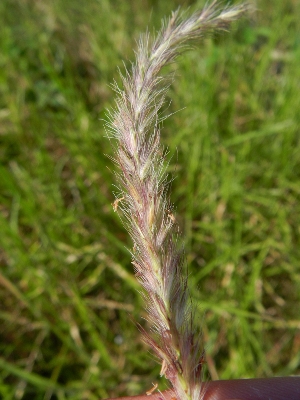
(158, 261)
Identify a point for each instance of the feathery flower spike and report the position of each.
(143, 198)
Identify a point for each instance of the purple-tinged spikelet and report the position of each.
(157, 259)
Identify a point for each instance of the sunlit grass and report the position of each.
(67, 290)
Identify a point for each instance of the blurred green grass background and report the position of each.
(67, 291)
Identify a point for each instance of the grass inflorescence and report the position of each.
(144, 199)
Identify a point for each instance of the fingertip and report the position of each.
(254, 389)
